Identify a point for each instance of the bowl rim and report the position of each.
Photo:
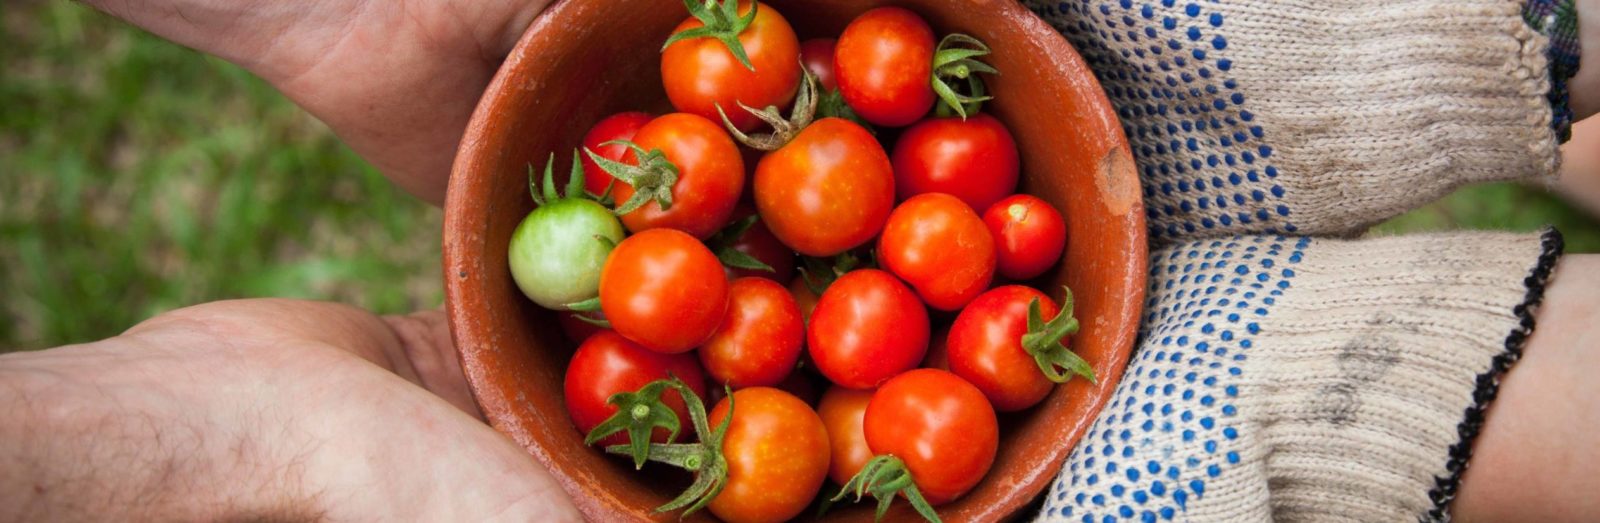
(459, 267)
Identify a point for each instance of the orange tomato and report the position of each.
(777, 452)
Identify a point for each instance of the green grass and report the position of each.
(137, 177)
(1501, 206)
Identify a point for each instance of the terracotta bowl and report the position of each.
(584, 59)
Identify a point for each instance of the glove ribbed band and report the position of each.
(1308, 380)
(1379, 355)
(1488, 384)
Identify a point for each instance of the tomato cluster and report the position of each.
(704, 289)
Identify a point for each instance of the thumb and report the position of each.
(416, 347)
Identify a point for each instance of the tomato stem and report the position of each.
(883, 477)
(956, 58)
(704, 459)
(719, 21)
(783, 130)
(638, 413)
(1044, 341)
(652, 178)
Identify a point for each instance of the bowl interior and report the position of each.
(585, 59)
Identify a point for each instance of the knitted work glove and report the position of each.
(1307, 380)
(1292, 377)
(1314, 117)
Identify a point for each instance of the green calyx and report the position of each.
(955, 60)
(831, 105)
(1043, 342)
(704, 459)
(720, 21)
(638, 413)
(819, 273)
(883, 477)
(545, 194)
(652, 178)
(783, 129)
(591, 305)
(722, 244)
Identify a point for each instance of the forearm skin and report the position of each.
(86, 438)
(1585, 87)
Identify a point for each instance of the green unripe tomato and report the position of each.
(557, 251)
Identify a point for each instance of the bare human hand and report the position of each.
(1585, 87)
(277, 409)
(260, 409)
(1580, 165)
(397, 80)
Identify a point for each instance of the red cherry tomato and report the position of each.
(620, 126)
(842, 412)
(985, 347)
(867, 328)
(817, 55)
(973, 159)
(777, 452)
(1029, 235)
(939, 246)
(759, 341)
(575, 329)
(701, 73)
(828, 190)
(939, 425)
(606, 364)
(664, 290)
(759, 243)
(710, 176)
(884, 66)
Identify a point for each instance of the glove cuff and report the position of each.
(1386, 354)
(1487, 385)
(1308, 379)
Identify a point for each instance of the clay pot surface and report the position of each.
(582, 60)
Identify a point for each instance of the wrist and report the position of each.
(1585, 86)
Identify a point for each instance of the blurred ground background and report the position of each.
(137, 176)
